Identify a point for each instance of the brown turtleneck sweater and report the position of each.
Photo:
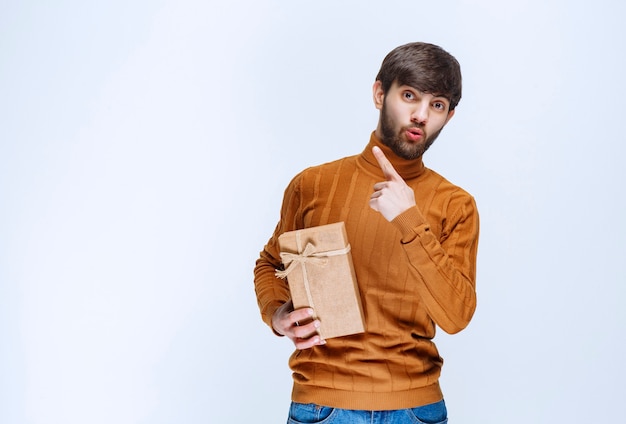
(413, 273)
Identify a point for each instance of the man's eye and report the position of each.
(408, 96)
(439, 106)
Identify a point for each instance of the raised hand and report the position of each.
(392, 196)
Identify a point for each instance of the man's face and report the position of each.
(410, 120)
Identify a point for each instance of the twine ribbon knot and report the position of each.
(307, 256)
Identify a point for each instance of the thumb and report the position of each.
(388, 170)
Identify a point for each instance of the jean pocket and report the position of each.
(434, 413)
(309, 413)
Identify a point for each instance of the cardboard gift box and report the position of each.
(320, 273)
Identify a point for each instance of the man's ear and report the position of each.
(450, 115)
(379, 94)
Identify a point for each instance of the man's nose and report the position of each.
(420, 113)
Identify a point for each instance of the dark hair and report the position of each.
(425, 67)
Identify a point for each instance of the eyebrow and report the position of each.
(439, 95)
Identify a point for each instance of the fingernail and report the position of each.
(317, 324)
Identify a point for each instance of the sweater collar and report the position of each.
(408, 169)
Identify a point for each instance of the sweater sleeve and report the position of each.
(445, 268)
(271, 291)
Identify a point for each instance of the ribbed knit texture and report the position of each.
(414, 273)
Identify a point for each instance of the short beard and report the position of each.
(400, 147)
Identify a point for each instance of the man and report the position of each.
(414, 240)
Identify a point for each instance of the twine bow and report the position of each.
(308, 256)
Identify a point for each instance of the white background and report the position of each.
(145, 147)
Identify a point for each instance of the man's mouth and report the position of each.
(414, 134)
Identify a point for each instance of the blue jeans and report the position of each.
(300, 413)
